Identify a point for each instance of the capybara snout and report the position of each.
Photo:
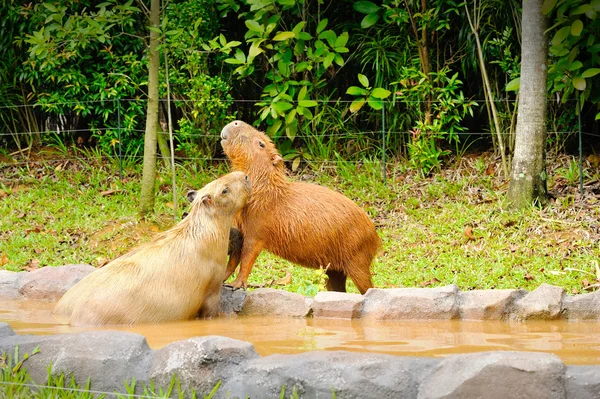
(227, 194)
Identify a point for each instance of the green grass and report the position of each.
(452, 228)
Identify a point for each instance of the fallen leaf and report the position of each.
(469, 233)
(37, 251)
(101, 261)
(32, 265)
(429, 282)
(528, 277)
(3, 260)
(285, 280)
(170, 205)
(489, 171)
(3, 194)
(585, 283)
(109, 192)
(32, 230)
(20, 215)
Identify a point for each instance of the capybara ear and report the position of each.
(191, 195)
(276, 159)
(207, 199)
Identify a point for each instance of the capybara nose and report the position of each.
(224, 133)
(191, 195)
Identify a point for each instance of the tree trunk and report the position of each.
(528, 175)
(149, 171)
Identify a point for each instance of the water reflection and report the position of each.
(575, 343)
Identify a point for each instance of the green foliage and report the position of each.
(83, 64)
(294, 52)
(367, 94)
(447, 112)
(201, 94)
(574, 49)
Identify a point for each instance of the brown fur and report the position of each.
(173, 277)
(307, 224)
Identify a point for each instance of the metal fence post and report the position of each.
(383, 168)
(119, 138)
(580, 144)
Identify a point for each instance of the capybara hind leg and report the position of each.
(250, 251)
(336, 280)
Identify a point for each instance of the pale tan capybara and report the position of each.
(173, 277)
(307, 224)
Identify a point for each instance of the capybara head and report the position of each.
(227, 194)
(246, 146)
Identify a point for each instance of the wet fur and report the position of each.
(173, 277)
(307, 224)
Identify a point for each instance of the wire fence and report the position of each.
(61, 127)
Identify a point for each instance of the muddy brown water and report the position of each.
(573, 342)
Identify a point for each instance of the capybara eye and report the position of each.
(225, 191)
(260, 143)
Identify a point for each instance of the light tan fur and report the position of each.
(307, 224)
(174, 276)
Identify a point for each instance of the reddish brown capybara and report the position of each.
(173, 277)
(307, 224)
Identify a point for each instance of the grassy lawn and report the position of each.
(450, 228)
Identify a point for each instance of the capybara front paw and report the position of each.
(237, 284)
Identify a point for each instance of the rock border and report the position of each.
(111, 358)
(547, 302)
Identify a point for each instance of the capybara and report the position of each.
(175, 276)
(307, 224)
(235, 236)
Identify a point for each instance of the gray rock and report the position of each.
(51, 282)
(583, 382)
(411, 303)
(582, 307)
(272, 302)
(544, 303)
(200, 363)
(318, 374)
(231, 300)
(5, 330)
(110, 358)
(9, 284)
(487, 304)
(338, 305)
(502, 375)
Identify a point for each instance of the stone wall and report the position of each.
(547, 302)
(110, 358)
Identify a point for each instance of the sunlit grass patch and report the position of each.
(451, 228)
